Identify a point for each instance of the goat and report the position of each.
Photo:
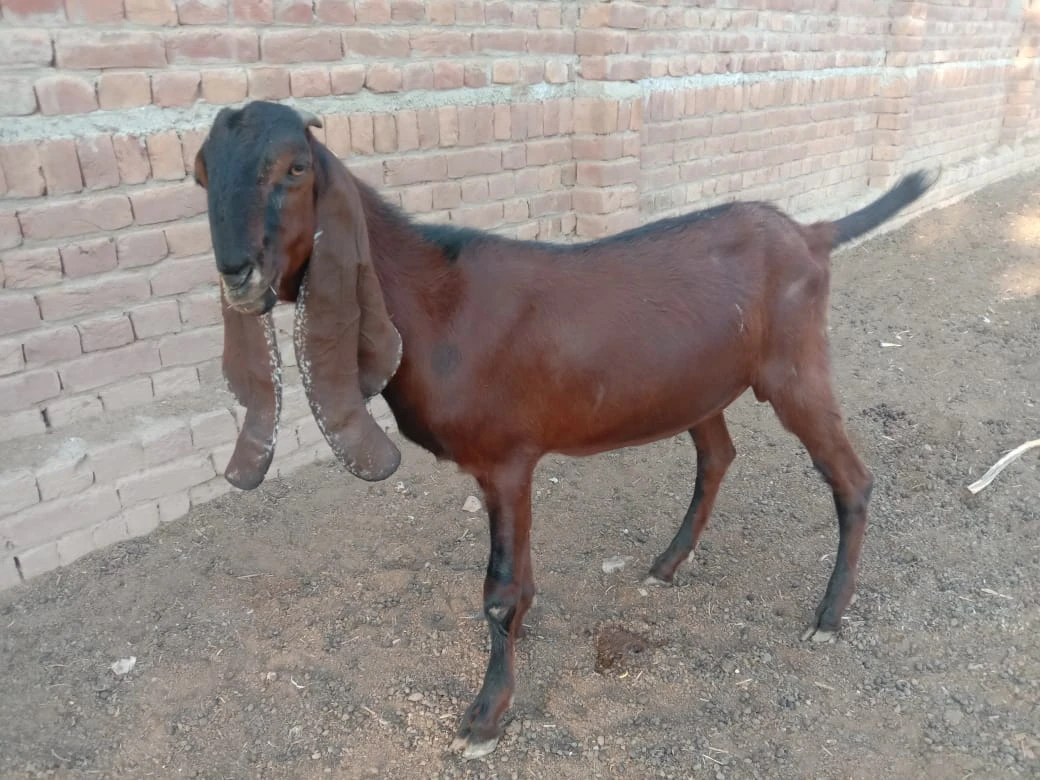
(493, 352)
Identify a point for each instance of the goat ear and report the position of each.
(253, 369)
(201, 177)
(341, 319)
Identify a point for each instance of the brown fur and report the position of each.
(515, 349)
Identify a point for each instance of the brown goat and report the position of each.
(515, 349)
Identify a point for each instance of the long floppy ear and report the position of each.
(253, 369)
(340, 315)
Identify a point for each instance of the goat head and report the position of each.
(288, 224)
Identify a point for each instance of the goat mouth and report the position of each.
(252, 295)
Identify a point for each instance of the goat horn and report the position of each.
(309, 119)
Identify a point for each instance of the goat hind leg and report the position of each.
(810, 411)
(715, 453)
(508, 593)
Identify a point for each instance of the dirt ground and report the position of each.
(324, 627)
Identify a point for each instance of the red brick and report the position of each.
(201, 308)
(97, 162)
(189, 238)
(168, 203)
(202, 11)
(91, 371)
(176, 381)
(131, 159)
(47, 521)
(114, 459)
(372, 12)
(407, 10)
(595, 115)
(505, 72)
(162, 480)
(448, 75)
(429, 127)
(347, 79)
(412, 170)
(288, 46)
(22, 48)
(416, 76)
(310, 81)
(76, 217)
(151, 12)
(10, 234)
(89, 257)
(34, 11)
(65, 474)
(52, 345)
(142, 248)
(207, 491)
(213, 45)
(192, 346)
(417, 199)
(448, 125)
(94, 11)
(105, 332)
(441, 11)
(493, 41)
(86, 50)
(384, 133)
(174, 507)
(441, 43)
(407, 130)
(473, 162)
(18, 491)
(376, 43)
(125, 395)
(608, 173)
(514, 157)
(155, 319)
(20, 424)
(224, 86)
(293, 11)
(12, 357)
(337, 135)
(268, 83)
(23, 170)
(475, 190)
(72, 300)
(476, 75)
(335, 11)
(486, 216)
(553, 150)
(20, 96)
(124, 90)
(164, 156)
(213, 429)
(180, 275)
(383, 77)
(21, 391)
(361, 133)
(257, 11)
(32, 267)
(175, 88)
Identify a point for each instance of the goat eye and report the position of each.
(298, 169)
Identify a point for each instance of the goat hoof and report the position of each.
(471, 749)
(819, 635)
(656, 582)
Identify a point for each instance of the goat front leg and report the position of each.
(508, 593)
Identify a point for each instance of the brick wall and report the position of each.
(552, 120)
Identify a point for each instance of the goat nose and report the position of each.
(238, 278)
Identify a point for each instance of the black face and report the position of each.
(253, 162)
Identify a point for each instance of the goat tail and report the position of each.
(906, 191)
